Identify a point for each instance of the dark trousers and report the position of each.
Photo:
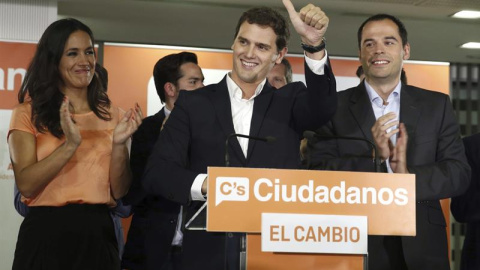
(174, 259)
(386, 253)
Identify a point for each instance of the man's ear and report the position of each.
(169, 89)
(281, 54)
(406, 51)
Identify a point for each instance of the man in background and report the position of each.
(281, 74)
(155, 237)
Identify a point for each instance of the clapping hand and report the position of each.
(398, 155)
(384, 128)
(382, 131)
(128, 125)
(70, 129)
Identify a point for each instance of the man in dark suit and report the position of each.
(154, 238)
(466, 208)
(415, 131)
(243, 102)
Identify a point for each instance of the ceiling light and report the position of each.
(467, 14)
(471, 45)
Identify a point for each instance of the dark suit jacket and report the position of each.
(466, 208)
(435, 155)
(194, 138)
(154, 219)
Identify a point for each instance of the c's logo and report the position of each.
(232, 189)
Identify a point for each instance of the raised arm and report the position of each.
(318, 104)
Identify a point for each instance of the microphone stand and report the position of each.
(268, 139)
(243, 237)
(310, 134)
(376, 159)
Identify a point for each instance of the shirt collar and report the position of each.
(375, 98)
(236, 93)
(167, 111)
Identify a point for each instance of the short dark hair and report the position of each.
(265, 16)
(288, 70)
(403, 77)
(42, 79)
(402, 31)
(167, 69)
(359, 71)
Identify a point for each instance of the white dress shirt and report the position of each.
(381, 108)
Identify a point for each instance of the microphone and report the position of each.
(310, 135)
(267, 139)
(229, 245)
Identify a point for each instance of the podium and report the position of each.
(237, 198)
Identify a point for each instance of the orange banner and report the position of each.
(13, 65)
(238, 196)
(130, 71)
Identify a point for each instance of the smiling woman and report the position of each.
(69, 154)
(77, 62)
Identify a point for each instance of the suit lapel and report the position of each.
(221, 102)
(260, 106)
(361, 109)
(160, 116)
(410, 112)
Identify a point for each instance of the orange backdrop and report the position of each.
(13, 55)
(130, 69)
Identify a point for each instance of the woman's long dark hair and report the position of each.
(43, 78)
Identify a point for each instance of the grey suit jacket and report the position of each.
(435, 154)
